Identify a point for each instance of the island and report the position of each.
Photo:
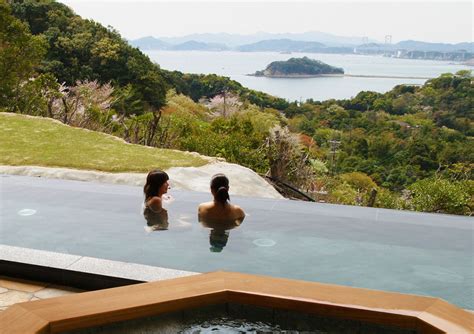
(298, 68)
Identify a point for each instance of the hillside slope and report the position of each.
(40, 141)
(83, 155)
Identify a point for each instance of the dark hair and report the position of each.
(220, 186)
(154, 180)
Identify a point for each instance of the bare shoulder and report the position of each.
(238, 211)
(155, 203)
(204, 206)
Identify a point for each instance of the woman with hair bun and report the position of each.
(220, 209)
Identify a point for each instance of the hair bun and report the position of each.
(222, 195)
(220, 187)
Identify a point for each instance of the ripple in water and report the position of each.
(231, 326)
(264, 242)
(26, 212)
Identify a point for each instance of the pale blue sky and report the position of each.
(432, 21)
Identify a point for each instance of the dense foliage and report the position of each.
(410, 148)
(299, 66)
(81, 50)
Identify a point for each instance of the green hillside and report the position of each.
(44, 142)
(299, 67)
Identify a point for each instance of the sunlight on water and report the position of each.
(26, 212)
(264, 242)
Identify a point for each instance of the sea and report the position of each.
(388, 72)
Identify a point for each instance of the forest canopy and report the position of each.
(294, 67)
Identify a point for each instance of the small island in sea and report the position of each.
(298, 68)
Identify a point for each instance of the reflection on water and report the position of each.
(264, 242)
(162, 220)
(156, 220)
(26, 212)
(220, 231)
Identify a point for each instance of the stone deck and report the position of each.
(14, 290)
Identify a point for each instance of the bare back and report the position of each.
(215, 211)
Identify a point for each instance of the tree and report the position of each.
(83, 50)
(442, 196)
(360, 181)
(20, 54)
(37, 96)
(343, 193)
(363, 184)
(224, 104)
(288, 161)
(87, 104)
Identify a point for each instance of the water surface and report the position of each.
(237, 64)
(426, 254)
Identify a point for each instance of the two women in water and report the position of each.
(219, 209)
(219, 215)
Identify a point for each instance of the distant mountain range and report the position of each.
(309, 42)
(421, 46)
(288, 46)
(462, 52)
(151, 43)
(442, 47)
(234, 40)
(281, 45)
(194, 45)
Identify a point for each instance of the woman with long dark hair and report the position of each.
(155, 187)
(220, 208)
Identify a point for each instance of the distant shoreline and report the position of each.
(468, 62)
(386, 76)
(304, 76)
(297, 76)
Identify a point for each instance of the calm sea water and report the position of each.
(237, 64)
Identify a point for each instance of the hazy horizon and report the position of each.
(303, 32)
(441, 22)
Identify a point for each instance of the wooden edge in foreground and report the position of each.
(82, 310)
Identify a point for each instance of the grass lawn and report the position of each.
(43, 142)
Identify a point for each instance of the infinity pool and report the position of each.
(390, 250)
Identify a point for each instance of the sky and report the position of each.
(430, 21)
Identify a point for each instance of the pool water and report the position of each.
(234, 318)
(231, 326)
(401, 251)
